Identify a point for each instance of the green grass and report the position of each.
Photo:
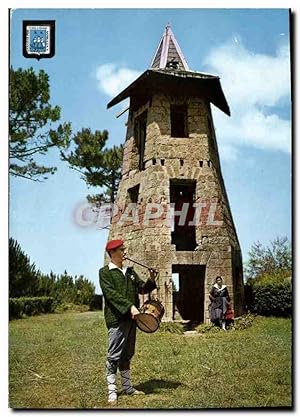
(58, 361)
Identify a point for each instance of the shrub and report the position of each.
(68, 307)
(239, 323)
(170, 327)
(97, 302)
(18, 307)
(243, 322)
(205, 328)
(269, 298)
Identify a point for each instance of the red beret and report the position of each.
(114, 244)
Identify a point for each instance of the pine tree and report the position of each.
(98, 166)
(30, 124)
(23, 277)
(85, 290)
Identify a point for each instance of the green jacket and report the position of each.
(120, 293)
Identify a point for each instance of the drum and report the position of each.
(150, 316)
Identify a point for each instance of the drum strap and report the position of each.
(143, 297)
(149, 295)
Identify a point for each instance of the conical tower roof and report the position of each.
(169, 71)
(168, 54)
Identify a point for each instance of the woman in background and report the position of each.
(220, 299)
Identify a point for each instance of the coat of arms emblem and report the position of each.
(38, 38)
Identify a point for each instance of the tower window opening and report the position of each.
(140, 130)
(201, 164)
(181, 162)
(179, 121)
(162, 161)
(133, 194)
(183, 231)
(153, 161)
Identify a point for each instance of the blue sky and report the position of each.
(98, 53)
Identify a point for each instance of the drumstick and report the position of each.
(139, 263)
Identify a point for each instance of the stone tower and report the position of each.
(171, 207)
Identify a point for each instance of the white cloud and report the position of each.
(228, 152)
(253, 84)
(113, 79)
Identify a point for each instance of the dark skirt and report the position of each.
(217, 309)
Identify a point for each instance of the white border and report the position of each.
(4, 5)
